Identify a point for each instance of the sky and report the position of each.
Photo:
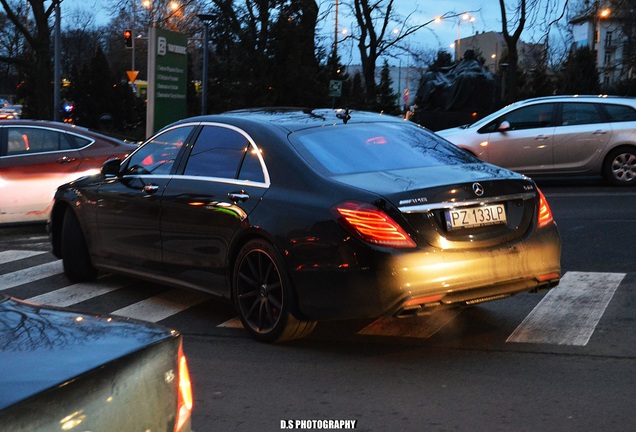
(485, 15)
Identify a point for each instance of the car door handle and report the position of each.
(238, 196)
(65, 160)
(151, 188)
(599, 132)
(541, 137)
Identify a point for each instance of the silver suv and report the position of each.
(563, 135)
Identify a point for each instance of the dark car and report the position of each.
(38, 156)
(307, 215)
(65, 370)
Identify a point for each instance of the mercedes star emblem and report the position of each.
(478, 189)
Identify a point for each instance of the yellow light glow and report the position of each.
(483, 144)
(605, 13)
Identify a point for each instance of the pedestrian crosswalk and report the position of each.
(564, 316)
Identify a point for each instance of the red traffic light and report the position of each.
(128, 38)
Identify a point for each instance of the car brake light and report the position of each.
(545, 214)
(373, 225)
(184, 401)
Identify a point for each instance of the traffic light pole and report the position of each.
(132, 34)
(57, 85)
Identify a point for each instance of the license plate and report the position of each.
(475, 216)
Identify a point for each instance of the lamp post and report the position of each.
(464, 17)
(56, 65)
(205, 18)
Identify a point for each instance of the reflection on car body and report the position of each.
(66, 370)
(564, 135)
(37, 156)
(299, 216)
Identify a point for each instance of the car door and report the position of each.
(223, 180)
(34, 161)
(580, 136)
(526, 145)
(129, 207)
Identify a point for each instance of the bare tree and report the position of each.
(381, 29)
(516, 16)
(34, 59)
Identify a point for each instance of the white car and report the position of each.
(557, 135)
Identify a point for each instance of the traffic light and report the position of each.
(128, 38)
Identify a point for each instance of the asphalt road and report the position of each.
(558, 361)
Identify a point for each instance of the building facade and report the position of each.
(606, 32)
(492, 47)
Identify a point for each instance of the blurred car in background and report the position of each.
(10, 112)
(64, 370)
(38, 156)
(557, 135)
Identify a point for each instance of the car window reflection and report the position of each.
(158, 155)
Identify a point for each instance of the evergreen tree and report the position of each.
(385, 97)
(579, 74)
(442, 60)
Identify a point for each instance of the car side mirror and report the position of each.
(504, 126)
(111, 167)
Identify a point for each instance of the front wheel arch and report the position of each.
(619, 166)
(263, 294)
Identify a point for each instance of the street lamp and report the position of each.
(464, 17)
(205, 18)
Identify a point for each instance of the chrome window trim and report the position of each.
(199, 178)
(447, 205)
(246, 136)
(92, 140)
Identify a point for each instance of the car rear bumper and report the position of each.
(417, 282)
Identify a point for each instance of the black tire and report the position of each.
(76, 260)
(263, 296)
(620, 167)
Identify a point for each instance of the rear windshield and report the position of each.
(368, 147)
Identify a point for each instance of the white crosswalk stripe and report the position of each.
(31, 274)
(79, 292)
(567, 315)
(162, 306)
(15, 255)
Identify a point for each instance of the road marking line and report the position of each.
(232, 323)
(79, 292)
(30, 274)
(162, 306)
(569, 314)
(15, 255)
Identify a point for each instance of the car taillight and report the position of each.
(184, 401)
(372, 225)
(545, 214)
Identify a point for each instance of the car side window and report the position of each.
(224, 153)
(530, 117)
(580, 113)
(620, 113)
(25, 140)
(158, 155)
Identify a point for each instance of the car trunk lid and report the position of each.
(458, 206)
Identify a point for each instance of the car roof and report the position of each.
(570, 98)
(67, 127)
(293, 119)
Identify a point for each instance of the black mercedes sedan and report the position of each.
(63, 370)
(300, 215)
